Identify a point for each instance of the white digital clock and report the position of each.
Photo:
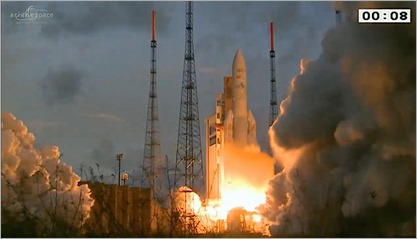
(384, 16)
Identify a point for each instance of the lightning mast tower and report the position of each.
(273, 104)
(189, 166)
(152, 156)
(338, 16)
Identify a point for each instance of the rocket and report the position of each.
(240, 123)
(240, 100)
(231, 123)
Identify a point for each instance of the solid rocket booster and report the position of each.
(240, 105)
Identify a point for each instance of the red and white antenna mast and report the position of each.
(273, 105)
(152, 155)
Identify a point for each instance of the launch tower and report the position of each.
(189, 166)
(273, 104)
(152, 156)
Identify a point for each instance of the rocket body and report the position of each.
(240, 102)
(231, 124)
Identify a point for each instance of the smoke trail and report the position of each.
(345, 137)
(36, 183)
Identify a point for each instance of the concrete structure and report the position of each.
(124, 211)
(231, 123)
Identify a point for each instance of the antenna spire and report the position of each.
(273, 104)
(152, 153)
(153, 25)
(271, 30)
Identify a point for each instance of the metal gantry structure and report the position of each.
(273, 104)
(152, 156)
(189, 165)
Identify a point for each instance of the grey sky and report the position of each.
(81, 80)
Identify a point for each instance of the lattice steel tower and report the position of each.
(152, 156)
(189, 166)
(273, 104)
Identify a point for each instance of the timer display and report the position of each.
(384, 16)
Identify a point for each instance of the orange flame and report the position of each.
(246, 177)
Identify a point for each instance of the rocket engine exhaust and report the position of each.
(346, 135)
(36, 184)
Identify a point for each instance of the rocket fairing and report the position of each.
(240, 104)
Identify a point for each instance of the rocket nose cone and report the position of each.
(239, 60)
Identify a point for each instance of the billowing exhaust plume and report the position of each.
(346, 135)
(35, 183)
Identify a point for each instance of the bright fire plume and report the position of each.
(243, 188)
(216, 216)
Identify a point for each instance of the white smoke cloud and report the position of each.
(36, 183)
(345, 137)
